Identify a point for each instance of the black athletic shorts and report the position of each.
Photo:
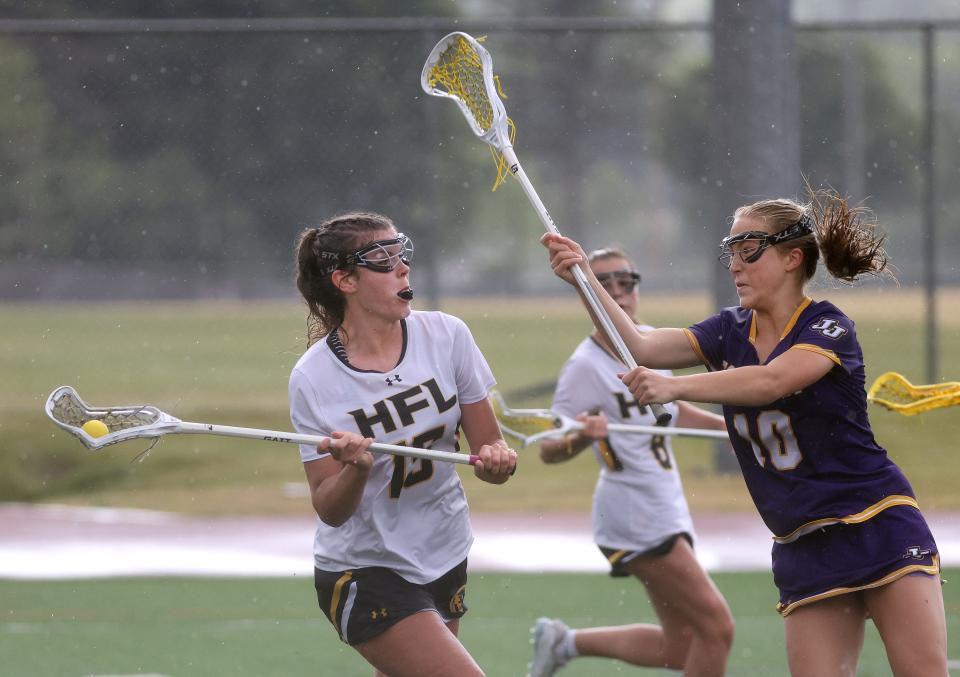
(619, 557)
(363, 603)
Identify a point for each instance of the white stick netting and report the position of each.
(458, 68)
(67, 410)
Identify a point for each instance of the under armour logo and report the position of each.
(396, 379)
(916, 552)
(378, 614)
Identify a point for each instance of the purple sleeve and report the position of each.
(706, 339)
(831, 334)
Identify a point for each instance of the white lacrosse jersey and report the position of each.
(638, 501)
(413, 516)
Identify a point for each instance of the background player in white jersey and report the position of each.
(640, 517)
(393, 533)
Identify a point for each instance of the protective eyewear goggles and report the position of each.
(755, 242)
(381, 256)
(626, 279)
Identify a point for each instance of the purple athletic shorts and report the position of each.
(843, 558)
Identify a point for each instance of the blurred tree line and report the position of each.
(213, 149)
(206, 147)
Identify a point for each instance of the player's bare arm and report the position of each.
(690, 416)
(336, 481)
(571, 444)
(657, 348)
(497, 460)
(754, 386)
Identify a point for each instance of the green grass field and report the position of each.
(228, 363)
(272, 627)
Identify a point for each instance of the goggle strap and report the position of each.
(802, 227)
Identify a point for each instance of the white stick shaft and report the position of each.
(627, 428)
(296, 438)
(658, 430)
(511, 157)
(595, 305)
(609, 329)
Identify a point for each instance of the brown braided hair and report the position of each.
(317, 255)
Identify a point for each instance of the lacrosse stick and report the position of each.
(68, 411)
(459, 69)
(893, 391)
(532, 425)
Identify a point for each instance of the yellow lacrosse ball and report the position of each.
(95, 428)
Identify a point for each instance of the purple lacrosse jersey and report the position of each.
(809, 459)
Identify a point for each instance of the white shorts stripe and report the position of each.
(347, 610)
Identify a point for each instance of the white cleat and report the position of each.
(548, 656)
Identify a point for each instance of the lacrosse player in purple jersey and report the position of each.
(390, 553)
(850, 542)
(641, 521)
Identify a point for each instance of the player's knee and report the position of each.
(717, 626)
(922, 660)
(725, 628)
(727, 631)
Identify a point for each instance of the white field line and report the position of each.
(57, 542)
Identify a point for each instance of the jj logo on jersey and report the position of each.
(829, 328)
(393, 379)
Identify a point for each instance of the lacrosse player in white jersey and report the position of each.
(391, 545)
(640, 517)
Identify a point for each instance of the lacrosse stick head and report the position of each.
(460, 69)
(894, 392)
(67, 410)
(528, 426)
